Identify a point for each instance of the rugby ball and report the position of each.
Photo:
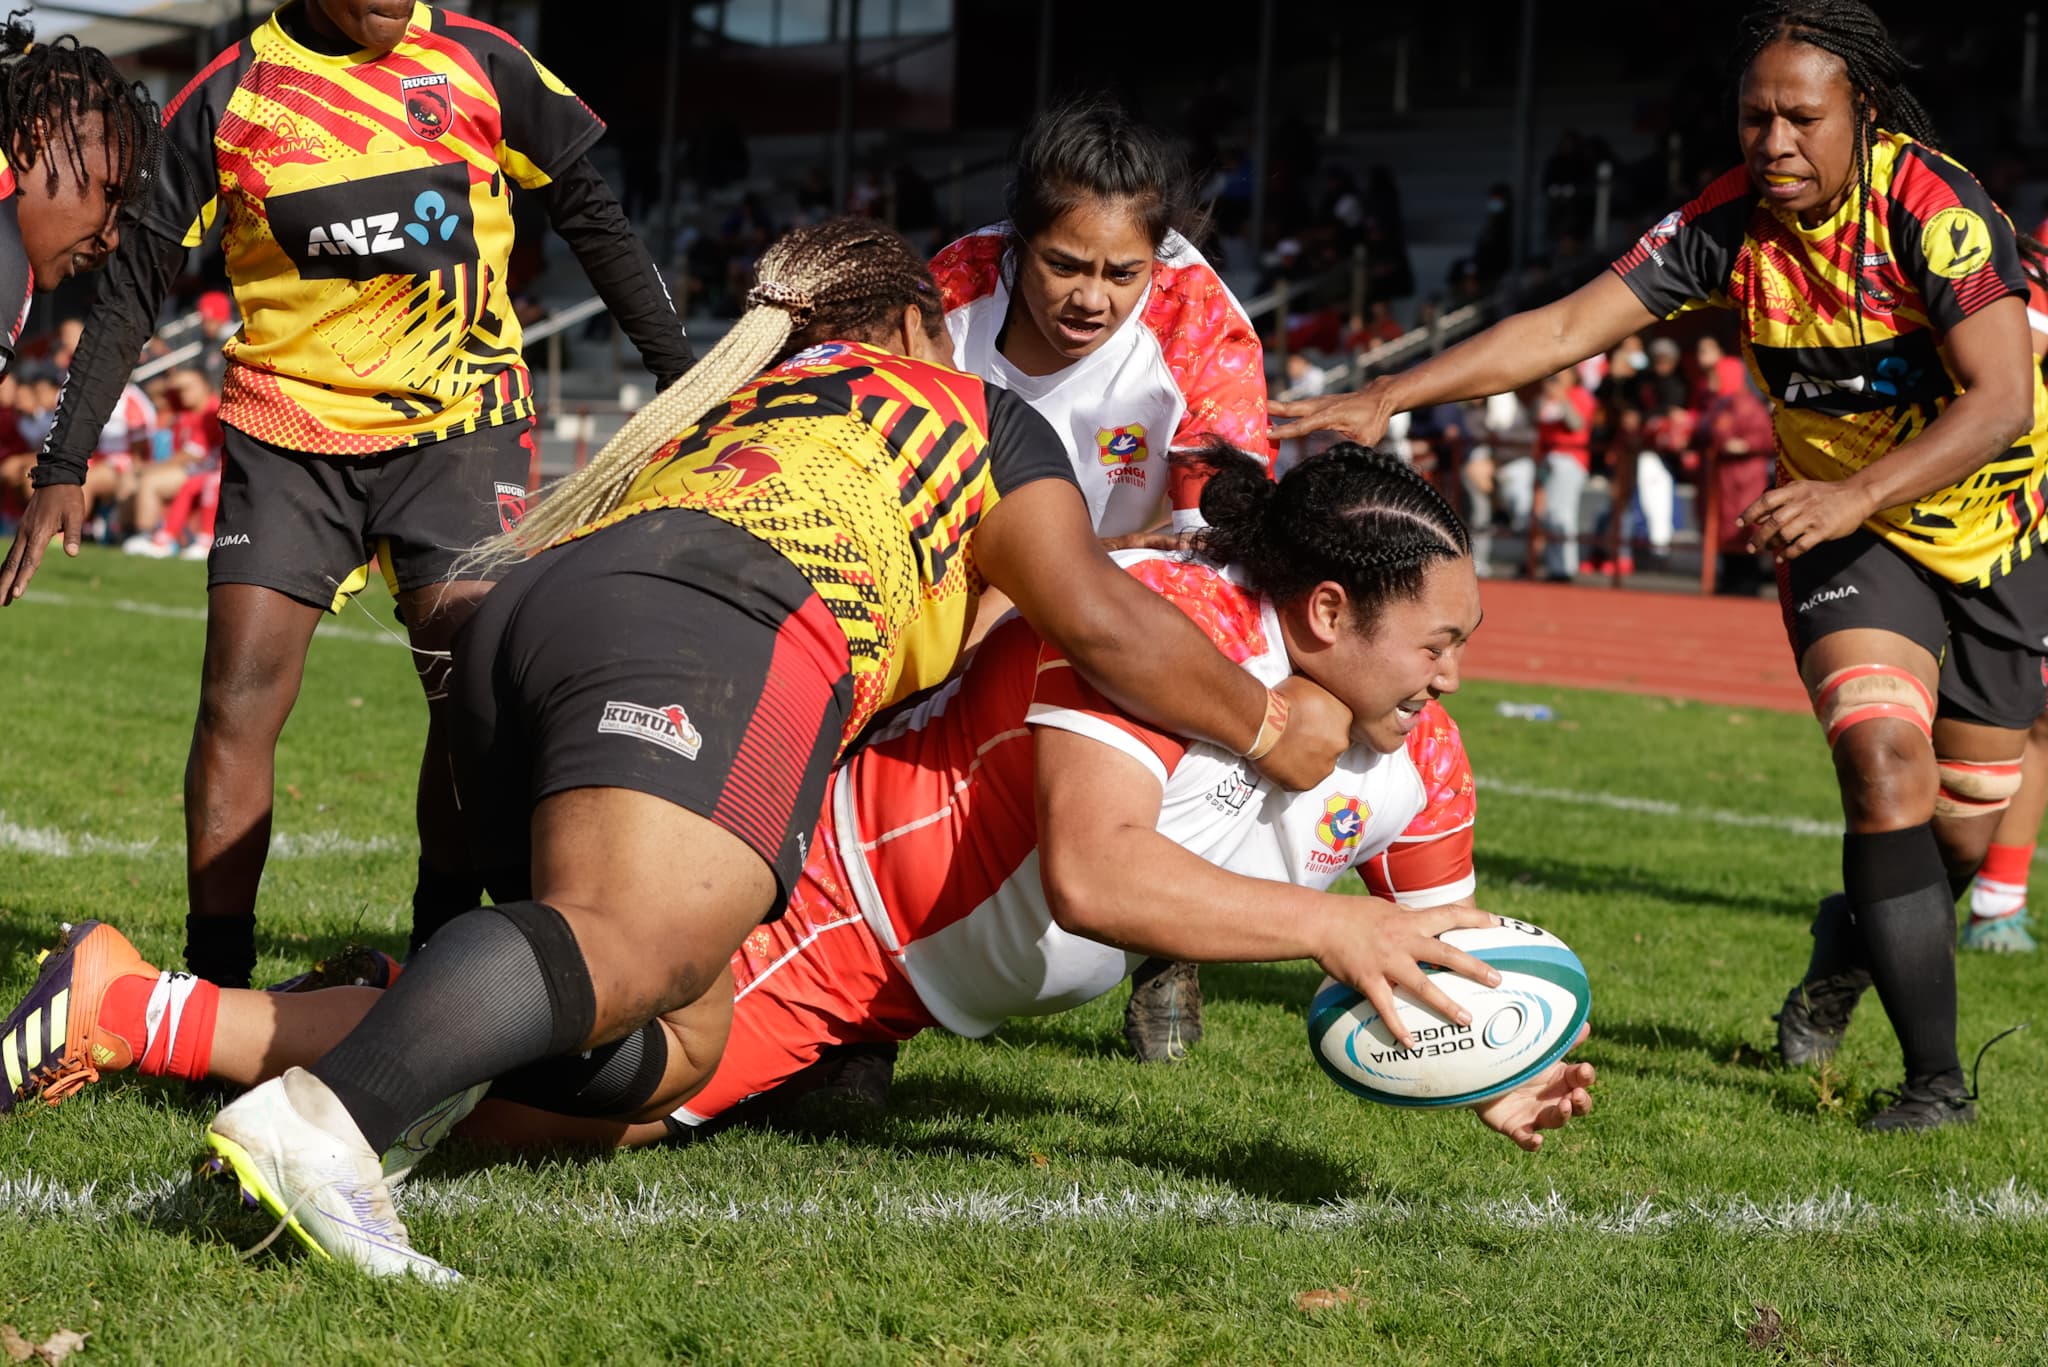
(1518, 1028)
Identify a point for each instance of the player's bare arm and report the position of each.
(1110, 875)
(1138, 649)
(1513, 352)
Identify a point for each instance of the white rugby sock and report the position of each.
(1991, 900)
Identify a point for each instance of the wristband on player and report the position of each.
(1270, 729)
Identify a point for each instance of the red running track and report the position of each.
(1718, 650)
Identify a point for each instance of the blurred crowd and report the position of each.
(154, 478)
(1651, 419)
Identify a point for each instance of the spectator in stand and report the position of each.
(1430, 440)
(216, 326)
(1735, 429)
(1719, 372)
(1662, 400)
(68, 333)
(1494, 250)
(1379, 326)
(1507, 436)
(1564, 435)
(1569, 177)
(192, 421)
(1387, 272)
(119, 457)
(1305, 380)
(38, 383)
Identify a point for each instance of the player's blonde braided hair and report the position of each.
(844, 278)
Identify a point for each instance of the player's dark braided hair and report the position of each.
(1086, 149)
(1351, 515)
(1851, 30)
(60, 84)
(846, 279)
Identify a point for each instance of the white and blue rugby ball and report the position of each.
(1518, 1028)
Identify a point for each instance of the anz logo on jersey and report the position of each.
(417, 223)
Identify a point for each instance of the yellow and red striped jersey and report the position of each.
(367, 222)
(869, 472)
(1850, 384)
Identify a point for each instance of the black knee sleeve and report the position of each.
(496, 989)
(615, 1080)
(571, 995)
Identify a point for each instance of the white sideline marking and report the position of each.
(32, 1198)
(328, 631)
(42, 840)
(1650, 806)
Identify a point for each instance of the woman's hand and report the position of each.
(1792, 519)
(54, 510)
(1383, 946)
(1361, 417)
(1545, 1102)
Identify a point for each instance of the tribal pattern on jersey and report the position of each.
(869, 472)
(1847, 386)
(368, 225)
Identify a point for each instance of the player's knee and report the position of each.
(1879, 722)
(247, 691)
(1850, 701)
(1974, 788)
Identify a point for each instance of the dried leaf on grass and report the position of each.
(52, 1350)
(1768, 1333)
(60, 1345)
(1325, 1298)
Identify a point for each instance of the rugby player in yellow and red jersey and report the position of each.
(1882, 301)
(360, 158)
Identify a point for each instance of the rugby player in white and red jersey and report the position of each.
(1007, 847)
(1090, 303)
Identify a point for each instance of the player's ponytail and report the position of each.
(844, 279)
(1349, 515)
(48, 90)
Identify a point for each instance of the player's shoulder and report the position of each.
(1230, 614)
(1924, 181)
(972, 267)
(1435, 746)
(480, 38)
(1189, 299)
(215, 82)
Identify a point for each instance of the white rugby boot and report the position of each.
(297, 1153)
(423, 1134)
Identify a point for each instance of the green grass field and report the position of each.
(1038, 1197)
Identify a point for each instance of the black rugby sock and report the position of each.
(1899, 890)
(1837, 943)
(221, 949)
(438, 897)
(612, 1081)
(496, 989)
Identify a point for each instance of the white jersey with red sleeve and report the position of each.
(936, 817)
(133, 421)
(1185, 366)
